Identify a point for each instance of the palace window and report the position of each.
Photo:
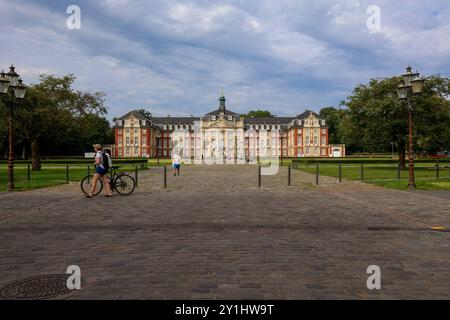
(127, 141)
(120, 141)
(144, 131)
(136, 140)
(316, 140)
(144, 141)
(119, 131)
(307, 140)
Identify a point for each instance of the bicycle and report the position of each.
(122, 183)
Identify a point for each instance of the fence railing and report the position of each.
(55, 174)
(375, 171)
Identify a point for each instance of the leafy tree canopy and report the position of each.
(259, 114)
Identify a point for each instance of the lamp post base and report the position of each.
(412, 186)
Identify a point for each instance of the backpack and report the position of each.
(105, 161)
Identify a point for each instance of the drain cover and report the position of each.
(36, 288)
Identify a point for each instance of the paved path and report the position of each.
(214, 234)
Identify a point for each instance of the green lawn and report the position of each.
(50, 175)
(386, 175)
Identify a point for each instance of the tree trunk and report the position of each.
(35, 156)
(402, 153)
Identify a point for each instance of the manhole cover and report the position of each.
(36, 288)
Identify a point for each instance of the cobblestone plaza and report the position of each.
(213, 234)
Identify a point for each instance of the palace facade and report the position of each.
(223, 134)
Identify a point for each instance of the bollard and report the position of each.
(89, 173)
(29, 172)
(67, 173)
(259, 176)
(362, 171)
(317, 173)
(165, 177)
(437, 170)
(399, 171)
(289, 175)
(340, 172)
(136, 175)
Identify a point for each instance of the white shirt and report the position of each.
(176, 159)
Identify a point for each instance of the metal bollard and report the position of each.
(437, 170)
(362, 171)
(399, 171)
(340, 172)
(259, 176)
(289, 175)
(136, 175)
(165, 177)
(29, 172)
(67, 173)
(317, 173)
(89, 173)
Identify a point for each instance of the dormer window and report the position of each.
(299, 122)
(230, 118)
(213, 118)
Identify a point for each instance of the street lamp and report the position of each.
(411, 87)
(12, 90)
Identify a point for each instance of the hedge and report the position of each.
(81, 161)
(362, 161)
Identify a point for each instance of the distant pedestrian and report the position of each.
(101, 171)
(176, 163)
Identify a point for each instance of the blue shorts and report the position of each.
(176, 166)
(100, 171)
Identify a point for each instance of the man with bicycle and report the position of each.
(101, 171)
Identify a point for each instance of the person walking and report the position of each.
(176, 163)
(101, 171)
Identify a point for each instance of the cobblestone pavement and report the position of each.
(214, 234)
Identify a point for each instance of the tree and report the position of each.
(259, 114)
(375, 117)
(50, 111)
(145, 113)
(333, 117)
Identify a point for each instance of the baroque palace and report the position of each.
(223, 134)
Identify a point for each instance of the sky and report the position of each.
(175, 57)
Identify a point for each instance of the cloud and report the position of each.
(173, 57)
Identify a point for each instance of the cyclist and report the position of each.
(101, 162)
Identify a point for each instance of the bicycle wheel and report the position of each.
(124, 184)
(86, 184)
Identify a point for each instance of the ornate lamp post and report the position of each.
(411, 87)
(12, 90)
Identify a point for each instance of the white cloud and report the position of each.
(174, 56)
